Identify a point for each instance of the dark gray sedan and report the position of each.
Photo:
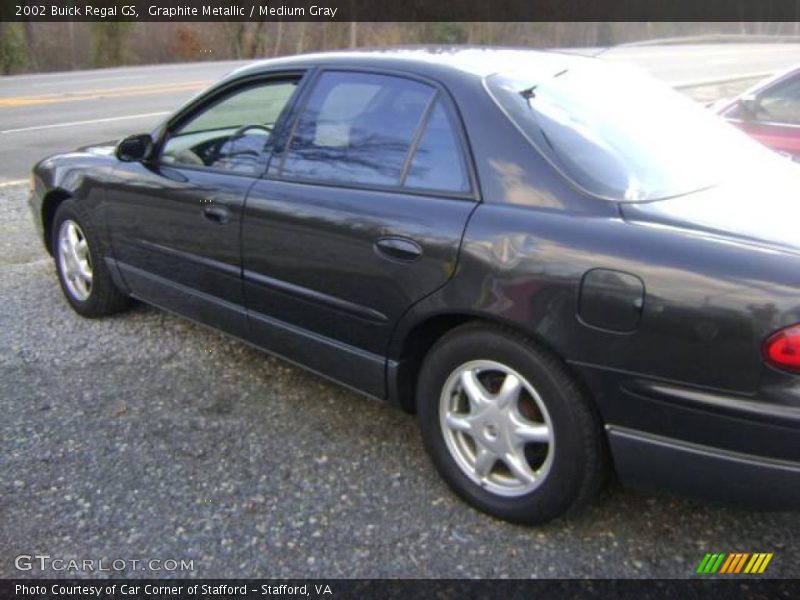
(560, 265)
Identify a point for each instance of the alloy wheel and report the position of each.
(496, 427)
(74, 260)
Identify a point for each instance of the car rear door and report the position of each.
(360, 216)
(175, 221)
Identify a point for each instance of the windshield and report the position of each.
(619, 134)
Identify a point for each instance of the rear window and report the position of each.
(619, 134)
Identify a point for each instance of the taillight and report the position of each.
(782, 348)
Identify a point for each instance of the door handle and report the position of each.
(401, 249)
(217, 214)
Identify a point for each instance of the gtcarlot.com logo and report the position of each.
(45, 562)
(734, 563)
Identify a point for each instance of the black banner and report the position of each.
(400, 10)
(359, 589)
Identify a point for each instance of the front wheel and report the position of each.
(507, 426)
(82, 272)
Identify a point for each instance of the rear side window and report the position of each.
(438, 163)
(357, 127)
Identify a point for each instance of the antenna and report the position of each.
(604, 50)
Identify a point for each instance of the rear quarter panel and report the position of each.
(709, 302)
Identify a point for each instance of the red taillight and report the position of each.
(782, 348)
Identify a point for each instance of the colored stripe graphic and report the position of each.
(718, 563)
(734, 563)
(711, 563)
(758, 563)
(741, 562)
(754, 563)
(727, 564)
(764, 564)
(703, 563)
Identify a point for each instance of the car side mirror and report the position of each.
(134, 148)
(749, 108)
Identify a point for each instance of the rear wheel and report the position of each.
(82, 272)
(507, 426)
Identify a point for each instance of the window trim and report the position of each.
(219, 94)
(419, 133)
(440, 93)
(412, 151)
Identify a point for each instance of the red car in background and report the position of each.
(770, 112)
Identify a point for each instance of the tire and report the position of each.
(485, 392)
(94, 297)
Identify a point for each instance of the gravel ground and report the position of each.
(147, 437)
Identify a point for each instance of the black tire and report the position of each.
(104, 298)
(578, 463)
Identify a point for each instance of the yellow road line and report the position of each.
(118, 92)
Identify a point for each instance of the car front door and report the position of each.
(175, 221)
(359, 217)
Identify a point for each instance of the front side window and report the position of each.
(232, 134)
(620, 134)
(357, 128)
(780, 104)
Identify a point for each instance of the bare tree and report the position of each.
(353, 34)
(300, 37)
(109, 42)
(278, 39)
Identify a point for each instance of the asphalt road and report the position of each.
(56, 112)
(145, 437)
(45, 114)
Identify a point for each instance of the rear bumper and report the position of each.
(739, 448)
(646, 460)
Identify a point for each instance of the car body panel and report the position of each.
(160, 238)
(696, 470)
(311, 256)
(759, 212)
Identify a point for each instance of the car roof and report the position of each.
(781, 76)
(466, 61)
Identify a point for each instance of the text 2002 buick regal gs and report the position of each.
(559, 264)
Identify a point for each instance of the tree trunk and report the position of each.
(30, 42)
(301, 38)
(353, 34)
(278, 39)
